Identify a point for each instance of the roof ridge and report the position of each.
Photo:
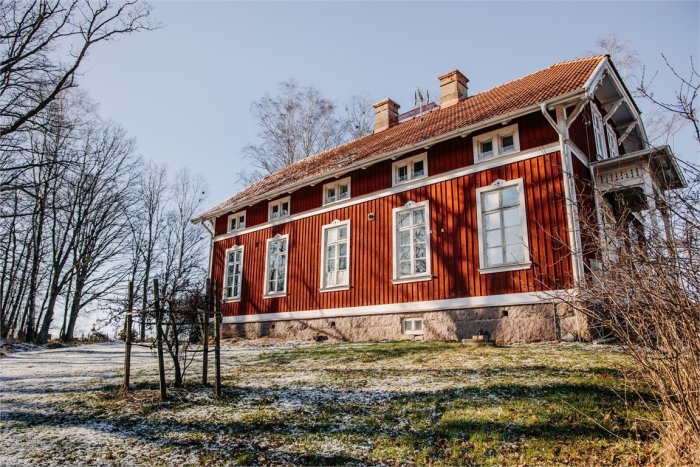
(554, 65)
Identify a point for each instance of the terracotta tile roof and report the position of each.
(541, 86)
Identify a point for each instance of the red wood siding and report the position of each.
(533, 129)
(453, 239)
(588, 220)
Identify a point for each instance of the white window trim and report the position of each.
(613, 146)
(332, 225)
(409, 161)
(413, 332)
(497, 185)
(495, 138)
(236, 215)
(283, 293)
(279, 202)
(233, 248)
(428, 274)
(599, 129)
(335, 184)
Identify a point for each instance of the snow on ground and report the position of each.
(285, 402)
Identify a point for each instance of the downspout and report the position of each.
(211, 245)
(561, 126)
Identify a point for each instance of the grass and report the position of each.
(382, 403)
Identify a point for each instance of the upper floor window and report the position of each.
(276, 256)
(278, 208)
(502, 223)
(598, 132)
(612, 141)
(496, 143)
(412, 242)
(335, 255)
(409, 169)
(336, 190)
(236, 221)
(234, 273)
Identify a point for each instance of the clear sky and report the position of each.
(184, 91)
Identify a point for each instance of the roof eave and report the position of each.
(463, 131)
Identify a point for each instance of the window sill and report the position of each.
(275, 295)
(505, 267)
(280, 218)
(336, 288)
(231, 300)
(403, 182)
(328, 203)
(414, 333)
(422, 277)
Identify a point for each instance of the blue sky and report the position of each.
(184, 91)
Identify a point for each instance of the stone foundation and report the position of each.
(505, 325)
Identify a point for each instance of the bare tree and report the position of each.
(683, 108)
(296, 123)
(44, 42)
(622, 52)
(359, 116)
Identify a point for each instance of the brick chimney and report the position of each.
(453, 88)
(386, 115)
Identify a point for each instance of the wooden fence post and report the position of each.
(217, 340)
(127, 337)
(205, 332)
(159, 340)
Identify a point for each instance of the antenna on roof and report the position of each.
(421, 101)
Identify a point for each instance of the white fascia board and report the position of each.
(526, 298)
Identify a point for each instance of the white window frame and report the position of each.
(428, 274)
(526, 263)
(236, 216)
(408, 162)
(613, 150)
(413, 331)
(233, 298)
(495, 137)
(336, 184)
(283, 293)
(279, 202)
(324, 230)
(598, 132)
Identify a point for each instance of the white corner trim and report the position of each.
(431, 180)
(525, 298)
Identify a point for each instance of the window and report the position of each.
(336, 191)
(411, 242)
(412, 326)
(503, 243)
(409, 169)
(234, 273)
(236, 221)
(612, 141)
(496, 143)
(598, 132)
(278, 208)
(335, 256)
(276, 266)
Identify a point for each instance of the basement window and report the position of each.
(279, 208)
(496, 143)
(412, 168)
(236, 221)
(337, 190)
(412, 326)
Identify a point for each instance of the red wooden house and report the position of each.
(441, 225)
